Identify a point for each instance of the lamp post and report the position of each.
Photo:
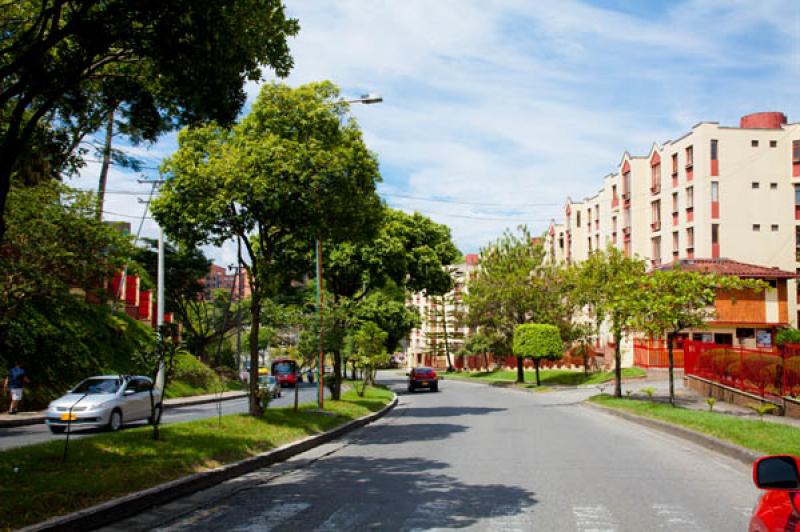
(366, 99)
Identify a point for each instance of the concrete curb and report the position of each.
(123, 507)
(731, 450)
(39, 418)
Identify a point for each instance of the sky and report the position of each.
(495, 111)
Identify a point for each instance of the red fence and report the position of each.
(760, 371)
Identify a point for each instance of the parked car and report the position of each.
(423, 378)
(270, 384)
(104, 401)
(778, 508)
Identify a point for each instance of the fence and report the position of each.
(760, 371)
(653, 353)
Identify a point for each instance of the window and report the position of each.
(657, 250)
(589, 242)
(627, 184)
(774, 228)
(754, 143)
(656, 212)
(655, 178)
(674, 164)
(689, 156)
(674, 202)
(589, 218)
(796, 151)
(597, 216)
(773, 144)
(714, 191)
(714, 147)
(714, 234)
(755, 185)
(613, 192)
(756, 227)
(675, 243)
(690, 237)
(690, 198)
(614, 224)
(773, 186)
(578, 218)
(797, 195)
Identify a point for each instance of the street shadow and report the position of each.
(368, 493)
(415, 432)
(450, 411)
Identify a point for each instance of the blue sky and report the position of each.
(495, 111)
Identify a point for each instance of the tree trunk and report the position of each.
(536, 365)
(255, 317)
(6, 165)
(670, 337)
(486, 360)
(444, 327)
(337, 375)
(296, 395)
(617, 364)
(520, 371)
(353, 371)
(101, 188)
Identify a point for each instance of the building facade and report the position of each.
(442, 328)
(221, 278)
(715, 192)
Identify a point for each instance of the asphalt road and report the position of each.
(480, 458)
(30, 434)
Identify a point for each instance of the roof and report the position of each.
(731, 267)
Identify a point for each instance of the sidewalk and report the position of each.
(33, 418)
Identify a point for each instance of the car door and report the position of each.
(136, 404)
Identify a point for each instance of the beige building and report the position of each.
(715, 192)
(440, 315)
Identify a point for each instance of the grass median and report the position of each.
(549, 377)
(35, 485)
(763, 436)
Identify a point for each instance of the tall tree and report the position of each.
(515, 285)
(65, 64)
(674, 300)
(609, 286)
(294, 170)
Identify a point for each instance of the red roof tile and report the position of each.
(731, 267)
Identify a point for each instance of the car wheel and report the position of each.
(157, 416)
(57, 430)
(115, 421)
(410, 389)
(435, 388)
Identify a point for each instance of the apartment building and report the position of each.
(219, 277)
(715, 192)
(441, 317)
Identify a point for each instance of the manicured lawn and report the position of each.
(35, 485)
(548, 377)
(762, 436)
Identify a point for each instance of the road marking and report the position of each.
(347, 517)
(594, 518)
(272, 517)
(509, 518)
(676, 517)
(746, 511)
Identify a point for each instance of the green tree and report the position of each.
(609, 286)
(65, 65)
(540, 342)
(479, 344)
(369, 352)
(409, 253)
(515, 285)
(673, 300)
(294, 170)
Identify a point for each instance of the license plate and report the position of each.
(424, 383)
(66, 417)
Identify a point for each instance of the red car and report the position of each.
(423, 378)
(778, 508)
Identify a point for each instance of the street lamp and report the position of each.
(366, 99)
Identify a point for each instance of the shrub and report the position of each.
(189, 370)
(787, 336)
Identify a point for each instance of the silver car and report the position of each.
(270, 384)
(104, 401)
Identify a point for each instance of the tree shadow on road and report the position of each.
(450, 411)
(410, 432)
(352, 492)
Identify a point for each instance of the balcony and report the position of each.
(655, 189)
(656, 226)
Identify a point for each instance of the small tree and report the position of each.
(159, 363)
(675, 300)
(369, 351)
(538, 341)
(479, 344)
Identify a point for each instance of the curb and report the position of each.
(123, 507)
(731, 450)
(39, 419)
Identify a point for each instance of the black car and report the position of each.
(423, 378)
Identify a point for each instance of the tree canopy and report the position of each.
(295, 169)
(538, 341)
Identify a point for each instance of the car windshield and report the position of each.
(283, 368)
(423, 371)
(266, 379)
(92, 386)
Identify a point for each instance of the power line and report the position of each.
(475, 204)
